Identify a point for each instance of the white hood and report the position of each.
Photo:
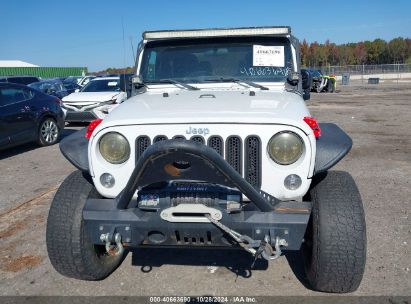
(211, 106)
(90, 97)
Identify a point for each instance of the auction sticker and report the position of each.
(268, 56)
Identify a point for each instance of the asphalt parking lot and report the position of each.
(376, 117)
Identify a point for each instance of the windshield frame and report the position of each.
(290, 53)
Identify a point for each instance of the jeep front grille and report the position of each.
(233, 152)
(198, 139)
(252, 162)
(159, 138)
(142, 143)
(216, 142)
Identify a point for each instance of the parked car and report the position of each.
(71, 87)
(215, 148)
(85, 80)
(89, 103)
(71, 83)
(320, 82)
(28, 115)
(52, 87)
(72, 79)
(19, 79)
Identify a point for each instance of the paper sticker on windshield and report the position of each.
(112, 83)
(268, 56)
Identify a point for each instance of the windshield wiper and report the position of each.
(239, 81)
(172, 81)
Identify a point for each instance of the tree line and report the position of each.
(379, 51)
(314, 54)
(127, 70)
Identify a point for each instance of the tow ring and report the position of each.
(269, 254)
(113, 250)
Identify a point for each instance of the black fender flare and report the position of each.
(75, 149)
(332, 146)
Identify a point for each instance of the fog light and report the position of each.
(107, 180)
(292, 182)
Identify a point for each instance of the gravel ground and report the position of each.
(376, 117)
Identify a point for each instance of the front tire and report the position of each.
(330, 85)
(49, 132)
(69, 248)
(334, 248)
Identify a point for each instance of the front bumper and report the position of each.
(80, 116)
(141, 228)
(264, 217)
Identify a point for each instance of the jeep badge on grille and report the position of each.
(202, 131)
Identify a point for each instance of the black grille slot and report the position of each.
(216, 143)
(233, 152)
(198, 139)
(159, 138)
(142, 143)
(179, 137)
(253, 161)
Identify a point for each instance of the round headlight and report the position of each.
(114, 148)
(285, 148)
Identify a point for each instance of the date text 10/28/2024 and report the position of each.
(202, 299)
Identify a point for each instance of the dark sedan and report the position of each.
(52, 87)
(27, 115)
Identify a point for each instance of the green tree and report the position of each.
(360, 53)
(397, 50)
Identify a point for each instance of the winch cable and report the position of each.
(247, 243)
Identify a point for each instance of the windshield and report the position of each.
(47, 86)
(102, 85)
(257, 59)
(72, 79)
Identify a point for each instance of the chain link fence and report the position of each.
(366, 69)
(364, 72)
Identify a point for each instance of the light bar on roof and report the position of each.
(282, 30)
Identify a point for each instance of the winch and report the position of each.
(172, 194)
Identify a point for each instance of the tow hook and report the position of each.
(113, 250)
(268, 253)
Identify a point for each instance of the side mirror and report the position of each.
(136, 80)
(307, 80)
(293, 78)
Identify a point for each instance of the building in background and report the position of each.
(16, 64)
(18, 67)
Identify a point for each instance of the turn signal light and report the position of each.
(313, 125)
(92, 126)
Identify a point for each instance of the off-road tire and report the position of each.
(41, 140)
(334, 247)
(70, 251)
(330, 86)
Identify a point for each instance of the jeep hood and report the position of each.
(210, 106)
(90, 97)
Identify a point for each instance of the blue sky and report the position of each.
(89, 33)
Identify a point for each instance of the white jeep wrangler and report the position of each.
(215, 148)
